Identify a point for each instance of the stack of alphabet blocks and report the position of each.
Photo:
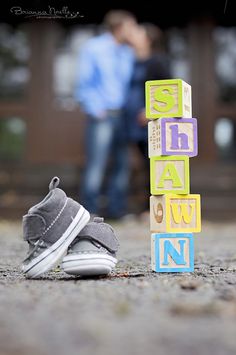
(175, 214)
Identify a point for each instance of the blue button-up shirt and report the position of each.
(104, 73)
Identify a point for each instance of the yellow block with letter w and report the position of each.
(183, 213)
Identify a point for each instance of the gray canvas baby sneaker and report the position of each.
(93, 252)
(49, 228)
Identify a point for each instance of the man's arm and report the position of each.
(86, 83)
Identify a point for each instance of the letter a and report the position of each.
(184, 212)
(178, 257)
(170, 173)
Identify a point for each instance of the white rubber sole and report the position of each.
(91, 264)
(53, 255)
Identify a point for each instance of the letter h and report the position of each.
(177, 138)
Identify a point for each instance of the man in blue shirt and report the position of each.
(105, 69)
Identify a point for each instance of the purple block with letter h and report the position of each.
(179, 136)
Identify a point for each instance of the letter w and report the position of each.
(180, 211)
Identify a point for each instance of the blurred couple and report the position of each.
(113, 68)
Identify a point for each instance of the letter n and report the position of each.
(177, 257)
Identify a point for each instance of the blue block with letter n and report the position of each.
(172, 252)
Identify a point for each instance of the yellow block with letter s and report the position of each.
(168, 98)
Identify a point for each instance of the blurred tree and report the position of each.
(14, 55)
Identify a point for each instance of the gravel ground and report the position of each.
(134, 311)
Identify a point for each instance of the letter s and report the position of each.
(167, 98)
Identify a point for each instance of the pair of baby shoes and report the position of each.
(59, 232)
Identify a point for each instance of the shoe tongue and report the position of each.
(54, 200)
(98, 219)
(85, 245)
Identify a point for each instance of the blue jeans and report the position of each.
(105, 140)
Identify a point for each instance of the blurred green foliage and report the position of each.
(12, 139)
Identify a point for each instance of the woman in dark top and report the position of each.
(151, 64)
